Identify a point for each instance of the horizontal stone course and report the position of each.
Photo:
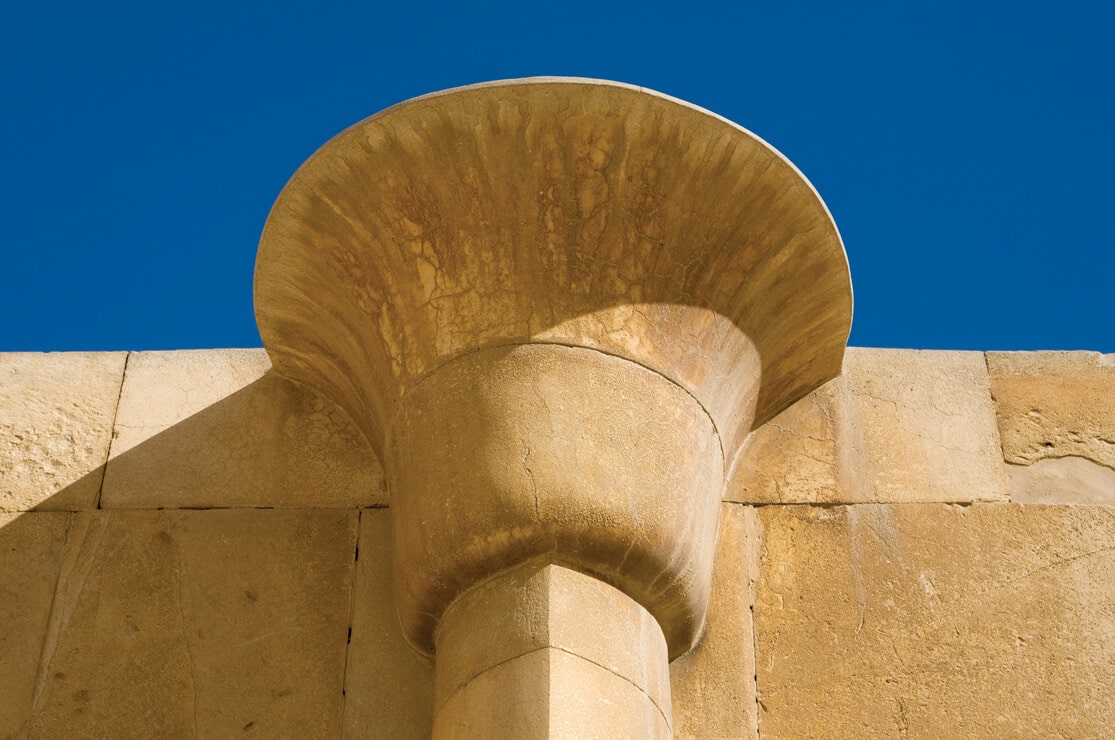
(894, 616)
(897, 426)
(214, 428)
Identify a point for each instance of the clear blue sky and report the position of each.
(964, 148)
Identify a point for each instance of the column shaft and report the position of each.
(544, 651)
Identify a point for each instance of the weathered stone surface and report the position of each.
(206, 428)
(389, 686)
(899, 425)
(56, 414)
(934, 620)
(713, 685)
(1056, 413)
(552, 364)
(792, 458)
(199, 623)
(573, 211)
(30, 556)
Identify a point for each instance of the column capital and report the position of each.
(562, 210)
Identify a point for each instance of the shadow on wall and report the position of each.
(203, 580)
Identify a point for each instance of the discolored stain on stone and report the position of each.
(550, 210)
(1062, 480)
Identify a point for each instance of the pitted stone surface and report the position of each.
(199, 624)
(1056, 414)
(56, 414)
(934, 620)
(203, 428)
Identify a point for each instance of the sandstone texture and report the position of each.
(897, 426)
(389, 686)
(214, 428)
(713, 685)
(31, 547)
(199, 624)
(871, 620)
(1056, 414)
(935, 620)
(56, 413)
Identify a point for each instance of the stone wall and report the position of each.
(923, 547)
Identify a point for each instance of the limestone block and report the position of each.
(898, 425)
(56, 414)
(713, 685)
(1056, 414)
(936, 620)
(792, 458)
(199, 624)
(209, 428)
(919, 426)
(30, 555)
(389, 686)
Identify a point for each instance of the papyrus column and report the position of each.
(556, 308)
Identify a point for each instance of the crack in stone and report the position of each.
(183, 575)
